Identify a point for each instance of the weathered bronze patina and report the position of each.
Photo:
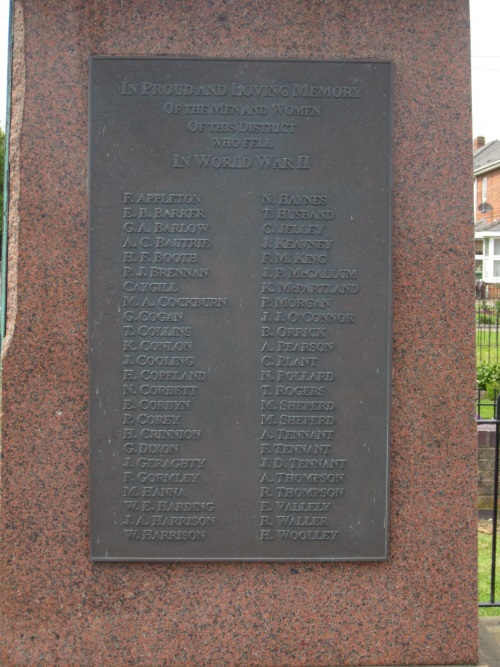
(240, 309)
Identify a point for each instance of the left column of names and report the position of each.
(165, 246)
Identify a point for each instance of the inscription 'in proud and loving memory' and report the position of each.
(239, 309)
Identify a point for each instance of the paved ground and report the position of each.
(489, 641)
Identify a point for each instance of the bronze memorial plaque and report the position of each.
(240, 309)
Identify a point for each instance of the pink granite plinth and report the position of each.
(417, 608)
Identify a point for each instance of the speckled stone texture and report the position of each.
(417, 608)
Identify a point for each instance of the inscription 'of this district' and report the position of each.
(240, 309)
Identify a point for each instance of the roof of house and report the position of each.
(487, 157)
(482, 226)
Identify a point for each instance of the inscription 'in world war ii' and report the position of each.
(239, 309)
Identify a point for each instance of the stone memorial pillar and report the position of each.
(208, 457)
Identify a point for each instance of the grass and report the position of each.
(488, 349)
(488, 345)
(484, 572)
(487, 411)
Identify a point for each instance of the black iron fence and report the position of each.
(492, 601)
(487, 328)
(487, 356)
(488, 407)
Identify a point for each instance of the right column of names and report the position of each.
(304, 296)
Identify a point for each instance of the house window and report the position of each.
(491, 255)
(492, 263)
(479, 269)
(475, 199)
(479, 247)
(485, 188)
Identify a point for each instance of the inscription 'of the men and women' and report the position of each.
(236, 121)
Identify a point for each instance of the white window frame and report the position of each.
(475, 200)
(489, 258)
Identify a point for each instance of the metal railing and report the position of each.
(488, 406)
(488, 330)
(487, 356)
(492, 602)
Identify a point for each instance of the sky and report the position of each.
(485, 23)
(4, 41)
(485, 52)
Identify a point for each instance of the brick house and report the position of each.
(486, 169)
